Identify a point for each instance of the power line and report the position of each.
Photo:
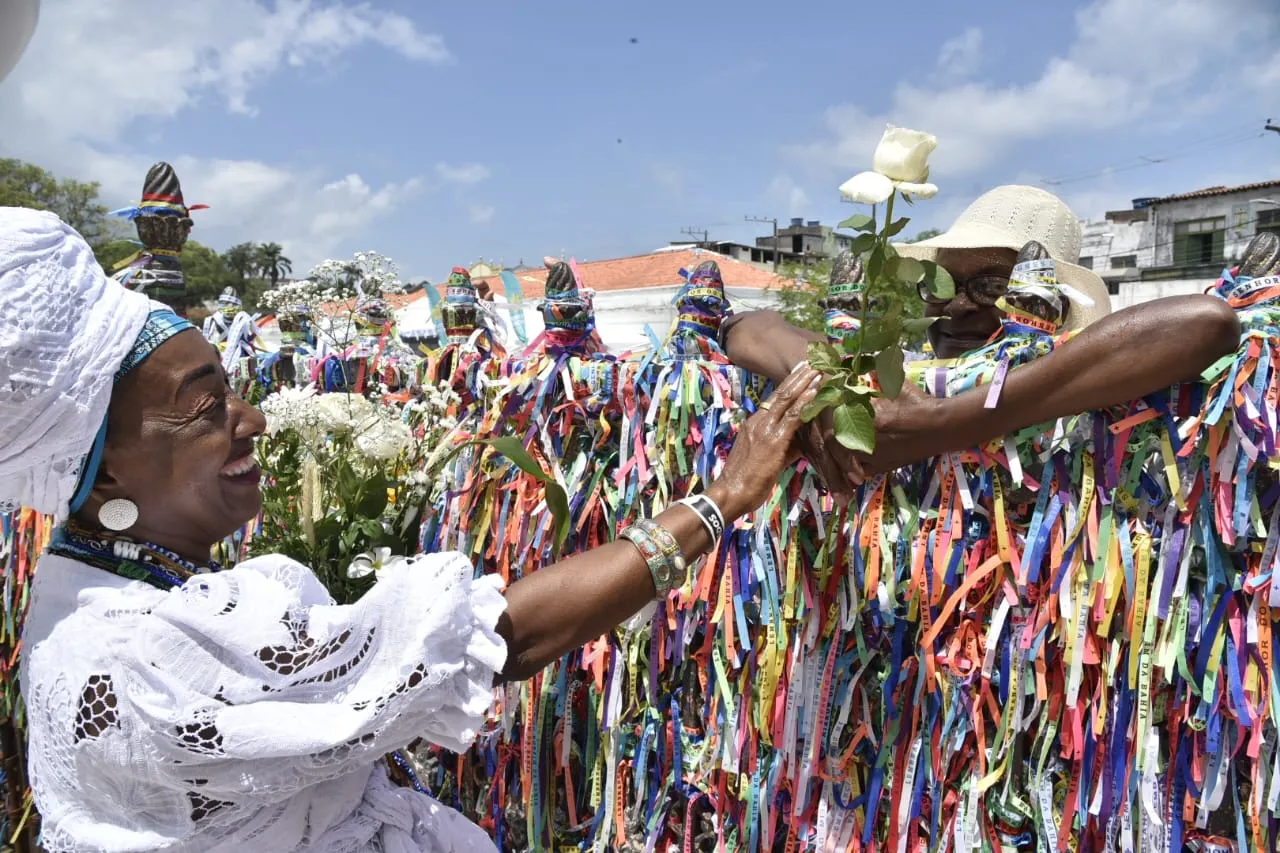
(694, 231)
(1233, 136)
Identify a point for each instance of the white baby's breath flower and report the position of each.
(290, 408)
(382, 438)
(342, 413)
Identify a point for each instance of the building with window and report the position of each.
(1178, 244)
(1195, 235)
(807, 239)
(1117, 246)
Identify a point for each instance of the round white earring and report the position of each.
(118, 514)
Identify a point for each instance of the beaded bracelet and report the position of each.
(661, 553)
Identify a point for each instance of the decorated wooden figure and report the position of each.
(701, 306)
(568, 313)
(163, 222)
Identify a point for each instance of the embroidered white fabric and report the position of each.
(246, 711)
(65, 328)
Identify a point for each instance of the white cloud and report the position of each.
(962, 55)
(1129, 59)
(471, 173)
(99, 75)
(481, 214)
(785, 191)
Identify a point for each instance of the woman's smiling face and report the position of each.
(180, 445)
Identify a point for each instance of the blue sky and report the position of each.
(438, 133)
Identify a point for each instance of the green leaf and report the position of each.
(824, 357)
(938, 280)
(513, 450)
(915, 325)
(855, 426)
(814, 408)
(557, 500)
(889, 371)
(862, 243)
(851, 344)
(374, 501)
(858, 222)
(828, 395)
(895, 228)
(875, 263)
(880, 333)
(909, 270)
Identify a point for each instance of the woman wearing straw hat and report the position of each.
(173, 706)
(1114, 358)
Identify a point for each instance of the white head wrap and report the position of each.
(65, 329)
(17, 23)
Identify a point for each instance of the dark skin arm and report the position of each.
(557, 609)
(1122, 357)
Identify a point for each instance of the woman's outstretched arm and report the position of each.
(563, 606)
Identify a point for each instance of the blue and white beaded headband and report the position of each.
(161, 325)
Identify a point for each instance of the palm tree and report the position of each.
(271, 262)
(242, 260)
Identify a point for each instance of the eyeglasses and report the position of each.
(982, 290)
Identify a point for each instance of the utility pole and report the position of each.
(693, 231)
(774, 222)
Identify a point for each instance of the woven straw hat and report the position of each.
(17, 23)
(1009, 217)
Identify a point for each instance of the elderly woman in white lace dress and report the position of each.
(173, 706)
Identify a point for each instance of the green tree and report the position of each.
(271, 262)
(75, 202)
(925, 235)
(807, 284)
(242, 260)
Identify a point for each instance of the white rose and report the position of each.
(903, 155)
(901, 163)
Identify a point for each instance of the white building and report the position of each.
(1178, 244)
(632, 293)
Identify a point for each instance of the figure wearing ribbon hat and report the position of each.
(163, 222)
(701, 308)
(217, 326)
(568, 314)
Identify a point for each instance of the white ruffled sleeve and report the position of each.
(250, 681)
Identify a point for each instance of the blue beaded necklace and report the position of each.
(141, 561)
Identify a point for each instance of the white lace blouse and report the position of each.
(245, 711)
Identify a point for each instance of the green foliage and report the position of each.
(270, 262)
(75, 202)
(798, 298)
(241, 259)
(890, 318)
(925, 235)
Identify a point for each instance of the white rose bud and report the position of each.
(903, 155)
(901, 163)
